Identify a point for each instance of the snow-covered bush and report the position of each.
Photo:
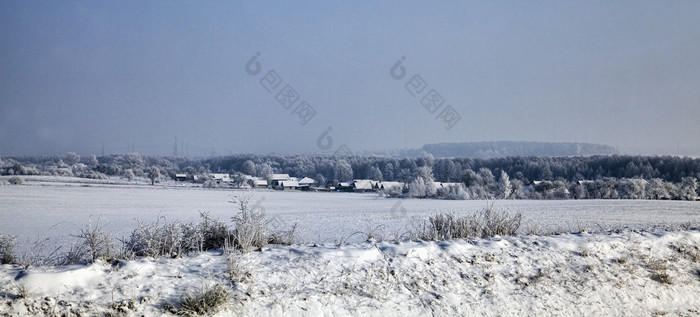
(250, 224)
(483, 224)
(175, 239)
(214, 233)
(16, 180)
(7, 249)
(499, 222)
(449, 226)
(94, 244)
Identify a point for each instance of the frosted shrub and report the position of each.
(448, 226)
(176, 239)
(484, 224)
(156, 239)
(250, 225)
(499, 222)
(94, 244)
(7, 249)
(215, 234)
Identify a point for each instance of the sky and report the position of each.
(235, 77)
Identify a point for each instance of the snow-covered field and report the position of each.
(57, 211)
(630, 273)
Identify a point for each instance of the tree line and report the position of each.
(574, 177)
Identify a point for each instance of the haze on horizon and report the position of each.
(88, 77)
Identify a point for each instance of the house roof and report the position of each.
(387, 185)
(289, 183)
(363, 184)
(345, 184)
(280, 177)
(306, 181)
(218, 176)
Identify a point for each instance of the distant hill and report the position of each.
(513, 148)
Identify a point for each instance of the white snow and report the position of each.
(56, 212)
(613, 274)
(564, 275)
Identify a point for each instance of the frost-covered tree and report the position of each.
(248, 168)
(374, 173)
(153, 174)
(458, 192)
(320, 180)
(656, 189)
(135, 162)
(93, 162)
(688, 189)
(430, 189)
(631, 188)
(559, 190)
(504, 188)
(265, 171)
(487, 179)
(416, 188)
(342, 171)
(72, 158)
(577, 191)
(518, 191)
(388, 172)
(129, 174)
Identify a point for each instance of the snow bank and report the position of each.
(630, 273)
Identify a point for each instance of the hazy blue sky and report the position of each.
(76, 76)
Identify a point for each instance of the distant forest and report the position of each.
(512, 148)
(519, 177)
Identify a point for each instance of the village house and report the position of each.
(305, 183)
(283, 182)
(363, 185)
(221, 178)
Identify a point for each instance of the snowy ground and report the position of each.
(627, 274)
(633, 273)
(57, 210)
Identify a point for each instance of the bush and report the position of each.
(284, 237)
(250, 225)
(499, 222)
(154, 240)
(95, 244)
(448, 226)
(16, 180)
(7, 249)
(214, 233)
(175, 239)
(484, 224)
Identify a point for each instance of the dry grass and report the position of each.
(237, 271)
(204, 301)
(688, 250)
